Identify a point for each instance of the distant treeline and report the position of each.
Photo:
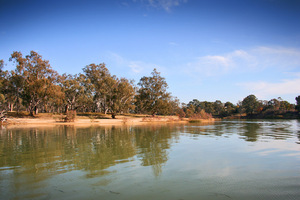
(250, 107)
(34, 86)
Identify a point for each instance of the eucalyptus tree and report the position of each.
(102, 84)
(285, 106)
(122, 96)
(174, 107)
(152, 96)
(14, 87)
(218, 107)
(274, 104)
(229, 108)
(40, 81)
(208, 106)
(250, 104)
(298, 102)
(2, 79)
(76, 90)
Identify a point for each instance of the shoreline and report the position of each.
(84, 121)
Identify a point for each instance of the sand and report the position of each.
(101, 122)
(86, 121)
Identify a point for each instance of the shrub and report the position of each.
(71, 115)
(201, 115)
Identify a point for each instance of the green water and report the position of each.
(224, 160)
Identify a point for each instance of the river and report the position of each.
(258, 159)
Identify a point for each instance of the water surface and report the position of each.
(224, 160)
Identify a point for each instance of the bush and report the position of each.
(71, 116)
(201, 115)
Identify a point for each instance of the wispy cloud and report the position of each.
(135, 67)
(243, 61)
(173, 44)
(167, 5)
(267, 72)
(264, 90)
(215, 65)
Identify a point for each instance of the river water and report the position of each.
(222, 160)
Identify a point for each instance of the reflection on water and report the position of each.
(228, 159)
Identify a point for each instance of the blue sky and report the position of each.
(206, 49)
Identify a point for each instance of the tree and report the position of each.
(250, 104)
(102, 83)
(190, 110)
(218, 107)
(152, 95)
(2, 79)
(285, 106)
(75, 90)
(14, 87)
(109, 92)
(40, 80)
(174, 107)
(229, 109)
(274, 104)
(298, 102)
(122, 97)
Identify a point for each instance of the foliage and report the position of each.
(76, 93)
(250, 104)
(298, 102)
(2, 79)
(34, 86)
(110, 93)
(201, 115)
(38, 77)
(122, 98)
(102, 85)
(70, 116)
(152, 96)
(181, 114)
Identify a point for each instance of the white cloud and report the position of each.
(210, 65)
(116, 58)
(162, 4)
(264, 90)
(276, 57)
(135, 67)
(214, 65)
(244, 61)
(139, 67)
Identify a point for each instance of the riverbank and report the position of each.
(92, 120)
(277, 114)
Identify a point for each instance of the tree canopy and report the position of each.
(37, 79)
(250, 104)
(152, 96)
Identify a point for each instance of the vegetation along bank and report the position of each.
(34, 87)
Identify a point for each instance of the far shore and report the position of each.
(87, 121)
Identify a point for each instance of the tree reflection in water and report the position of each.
(39, 153)
(62, 162)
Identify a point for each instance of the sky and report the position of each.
(206, 49)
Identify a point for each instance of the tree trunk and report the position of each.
(46, 108)
(31, 112)
(36, 110)
(11, 107)
(66, 108)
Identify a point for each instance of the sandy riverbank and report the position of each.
(85, 121)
